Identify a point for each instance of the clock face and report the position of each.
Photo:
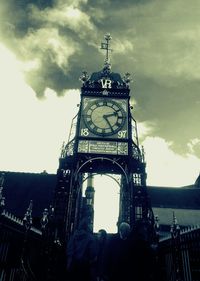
(104, 117)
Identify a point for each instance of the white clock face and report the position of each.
(104, 117)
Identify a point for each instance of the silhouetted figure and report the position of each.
(102, 248)
(131, 257)
(117, 255)
(141, 256)
(81, 254)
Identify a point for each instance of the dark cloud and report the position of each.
(173, 110)
(157, 41)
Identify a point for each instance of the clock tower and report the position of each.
(103, 140)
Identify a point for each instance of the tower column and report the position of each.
(89, 202)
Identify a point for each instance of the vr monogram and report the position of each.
(106, 83)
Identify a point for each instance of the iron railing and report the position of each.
(33, 256)
(179, 256)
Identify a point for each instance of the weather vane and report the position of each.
(106, 46)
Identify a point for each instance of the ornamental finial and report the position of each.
(44, 220)
(106, 46)
(127, 79)
(175, 228)
(84, 77)
(27, 220)
(2, 198)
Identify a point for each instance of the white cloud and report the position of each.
(122, 46)
(70, 2)
(32, 130)
(166, 168)
(47, 41)
(144, 129)
(192, 144)
(65, 15)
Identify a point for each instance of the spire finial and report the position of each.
(106, 46)
(27, 220)
(44, 219)
(175, 228)
(2, 179)
(2, 198)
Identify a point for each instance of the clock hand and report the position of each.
(109, 115)
(105, 117)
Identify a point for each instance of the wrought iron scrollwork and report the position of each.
(27, 220)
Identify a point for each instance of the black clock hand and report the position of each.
(109, 115)
(105, 117)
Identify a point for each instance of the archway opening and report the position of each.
(106, 202)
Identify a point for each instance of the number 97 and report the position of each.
(122, 134)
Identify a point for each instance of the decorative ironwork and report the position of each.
(143, 154)
(27, 220)
(134, 131)
(106, 46)
(156, 224)
(84, 77)
(127, 79)
(44, 220)
(175, 233)
(182, 252)
(2, 179)
(175, 228)
(72, 132)
(2, 198)
(135, 152)
(62, 155)
(69, 149)
(106, 69)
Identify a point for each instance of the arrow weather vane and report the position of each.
(106, 46)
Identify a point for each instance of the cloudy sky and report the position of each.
(45, 45)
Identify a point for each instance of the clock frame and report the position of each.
(104, 118)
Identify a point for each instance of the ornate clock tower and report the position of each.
(103, 140)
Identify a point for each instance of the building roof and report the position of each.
(185, 217)
(168, 197)
(20, 188)
(197, 182)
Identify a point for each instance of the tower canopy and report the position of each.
(106, 78)
(107, 74)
